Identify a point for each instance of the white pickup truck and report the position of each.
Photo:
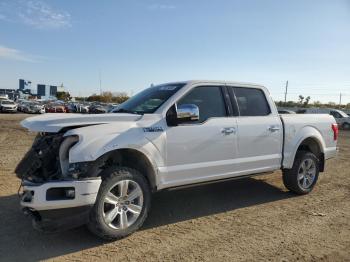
(101, 170)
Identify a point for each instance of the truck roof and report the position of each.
(213, 82)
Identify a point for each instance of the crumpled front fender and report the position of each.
(96, 141)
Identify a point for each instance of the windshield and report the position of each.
(342, 113)
(148, 100)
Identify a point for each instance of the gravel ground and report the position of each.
(242, 220)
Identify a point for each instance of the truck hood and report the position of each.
(55, 122)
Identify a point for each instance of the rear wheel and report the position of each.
(302, 177)
(122, 204)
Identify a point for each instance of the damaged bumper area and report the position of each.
(56, 195)
(59, 205)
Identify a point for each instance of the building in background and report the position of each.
(53, 90)
(24, 84)
(41, 90)
(46, 91)
(26, 92)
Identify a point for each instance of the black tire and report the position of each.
(110, 177)
(290, 176)
(346, 126)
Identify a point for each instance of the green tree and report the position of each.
(108, 97)
(301, 100)
(64, 96)
(306, 102)
(317, 104)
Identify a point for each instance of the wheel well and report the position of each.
(311, 145)
(134, 159)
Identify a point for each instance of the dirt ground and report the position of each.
(242, 220)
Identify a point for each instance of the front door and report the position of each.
(201, 151)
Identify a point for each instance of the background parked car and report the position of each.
(83, 108)
(8, 106)
(112, 107)
(284, 111)
(55, 108)
(98, 108)
(21, 105)
(70, 108)
(35, 108)
(343, 120)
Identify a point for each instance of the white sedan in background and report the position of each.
(8, 106)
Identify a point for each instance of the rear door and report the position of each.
(259, 131)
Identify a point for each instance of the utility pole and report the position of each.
(100, 82)
(286, 92)
(340, 99)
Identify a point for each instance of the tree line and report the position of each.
(304, 102)
(104, 97)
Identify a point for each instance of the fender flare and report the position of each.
(305, 133)
(149, 169)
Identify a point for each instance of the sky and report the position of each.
(133, 44)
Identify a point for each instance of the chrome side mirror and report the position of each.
(187, 113)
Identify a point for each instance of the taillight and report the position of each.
(335, 131)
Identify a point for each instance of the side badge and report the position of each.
(153, 129)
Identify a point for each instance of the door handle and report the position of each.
(274, 128)
(228, 130)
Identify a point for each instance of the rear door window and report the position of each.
(251, 101)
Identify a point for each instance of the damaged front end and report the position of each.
(56, 194)
(41, 163)
(48, 160)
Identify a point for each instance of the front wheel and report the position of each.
(122, 203)
(302, 177)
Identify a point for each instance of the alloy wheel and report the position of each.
(306, 173)
(122, 204)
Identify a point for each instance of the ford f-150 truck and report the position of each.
(101, 170)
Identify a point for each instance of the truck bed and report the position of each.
(297, 127)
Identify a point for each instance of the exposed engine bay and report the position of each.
(48, 161)
(41, 163)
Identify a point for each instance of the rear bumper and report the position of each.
(52, 210)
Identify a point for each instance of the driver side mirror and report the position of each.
(182, 114)
(187, 113)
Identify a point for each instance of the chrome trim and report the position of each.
(187, 112)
